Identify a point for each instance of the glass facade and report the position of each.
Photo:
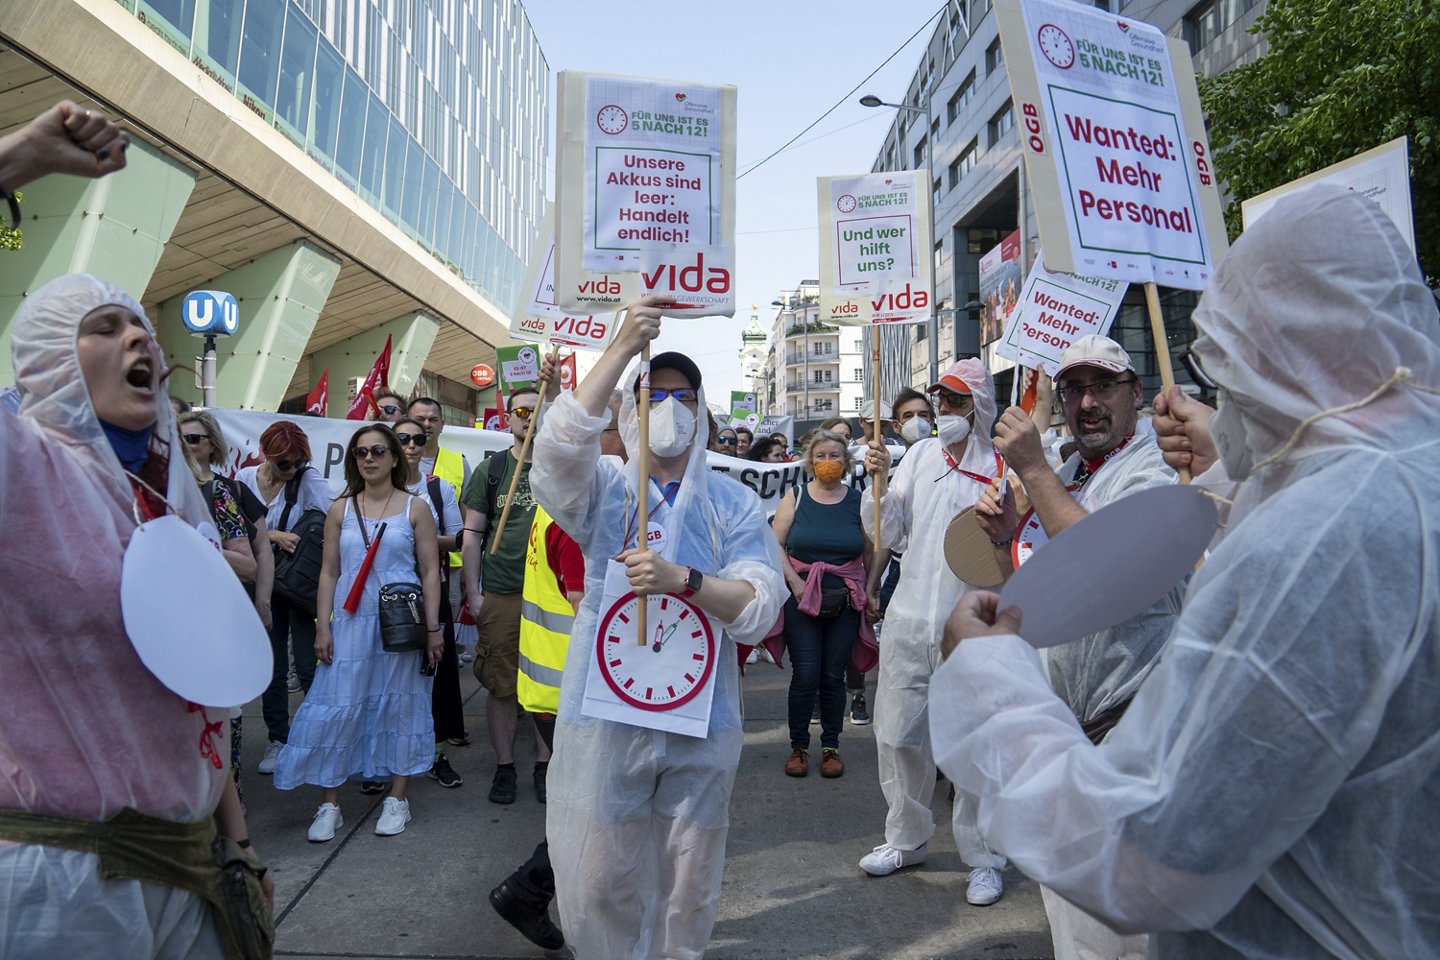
(433, 111)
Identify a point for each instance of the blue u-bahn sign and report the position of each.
(212, 313)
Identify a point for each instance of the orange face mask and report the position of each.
(828, 471)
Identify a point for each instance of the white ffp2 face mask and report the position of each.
(915, 429)
(1228, 432)
(672, 428)
(952, 429)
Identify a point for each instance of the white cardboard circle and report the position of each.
(189, 619)
(1111, 565)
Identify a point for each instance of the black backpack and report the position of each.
(297, 575)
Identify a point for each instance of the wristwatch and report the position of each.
(693, 579)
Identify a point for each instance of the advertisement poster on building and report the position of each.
(874, 238)
(1055, 310)
(539, 318)
(999, 287)
(645, 186)
(1381, 175)
(1114, 143)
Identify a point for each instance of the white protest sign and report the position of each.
(1056, 309)
(1114, 142)
(1381, 175)
(645, 190)
(874, 248)
(539, 318)
(525, 366)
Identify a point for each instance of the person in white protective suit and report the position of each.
(637, 818)
(112, 787)
(938, 478)
(1097, 675)
(1272, 791)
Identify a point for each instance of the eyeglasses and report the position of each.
(194, 439)
(373, 452)
(1101, 390)
(389, 409)
(289, 464)
(522, 412)
(953, 401)
(727, 441)
(408, 438)
(683, 394)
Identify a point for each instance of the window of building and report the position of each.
(297, 74)
(1209, 19)
(179, 15)
(824, 406)
(960, 98)
(352, 128)
(859, 374)
(329, 71)
(217, 41)
(920, 154)
(994, 57)
(372, 160)
(964, 163)
(260, 48)
(1000, 124)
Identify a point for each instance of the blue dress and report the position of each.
(368, 712)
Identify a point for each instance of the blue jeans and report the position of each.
(298, 628)
(819, 650)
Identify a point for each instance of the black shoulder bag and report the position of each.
(297, 574)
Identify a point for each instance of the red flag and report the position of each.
(567, 373)
(379, 377)
(500, 402)
(320, 396)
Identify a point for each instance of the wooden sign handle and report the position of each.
(875, 406)
(642, 496)
(524, 454)
(1162, 348)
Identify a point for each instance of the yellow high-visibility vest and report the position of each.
(546, 618)
(450, 467)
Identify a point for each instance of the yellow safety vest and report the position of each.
(450, 467)
(546, 618)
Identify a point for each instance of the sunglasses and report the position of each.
(389, 409)
(683, 394)
(727, 441)
(373, 452)
(522, 412)
(408, 438)
(194, 439)
(289, 464)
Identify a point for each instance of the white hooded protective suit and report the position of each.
(85, 729)
(1272, 791)
(637, 818)
(924, 494)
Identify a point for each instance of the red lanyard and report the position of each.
(1088, 468)
(999, 468)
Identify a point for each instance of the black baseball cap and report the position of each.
(677, 361)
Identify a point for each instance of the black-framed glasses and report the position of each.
(289, 464)
(373, 452)
(408, 438)
(953, 401)
(522, 412)
(683, 394)
(194, 439)
(1102, 390)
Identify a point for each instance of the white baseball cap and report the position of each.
(1095, 351)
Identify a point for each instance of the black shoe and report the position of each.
(540, 770)
(444, 774)
(502, 788)
(532, 921)
(373, 786)
(859, 714)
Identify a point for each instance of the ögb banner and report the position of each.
(1114, 143)
(1055, 310)
(645, 187)
(539, 318)
(874, 248)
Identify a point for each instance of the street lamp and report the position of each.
(870, 100)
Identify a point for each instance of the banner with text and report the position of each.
(874, 248)
(1109, 116)
(645, 187)
(539, 318)
(1056, 309)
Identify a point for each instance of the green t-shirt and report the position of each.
(505, 571)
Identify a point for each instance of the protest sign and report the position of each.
(740, 417)
(742, 400)
(1381, 175)
(874, 248)
(539, 318)
(999, 286)
(645, 189)
(1056, 309)
(1114, 143)
(519, 366)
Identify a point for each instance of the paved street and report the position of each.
(792, 887)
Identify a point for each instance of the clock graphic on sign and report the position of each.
(672, 666)
(845, 204)
(1056, 45)
(612, 119)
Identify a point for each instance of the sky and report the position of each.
(791, 60)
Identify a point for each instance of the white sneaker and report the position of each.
(985, 886)
(754, 655)
(393, 817)
(885, 859)
(272, 754)
(327, 821)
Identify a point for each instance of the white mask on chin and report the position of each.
(915, 429)
(1228, 432)
(672, 428)
(952, 429)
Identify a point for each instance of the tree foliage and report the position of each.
(1339, 77)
